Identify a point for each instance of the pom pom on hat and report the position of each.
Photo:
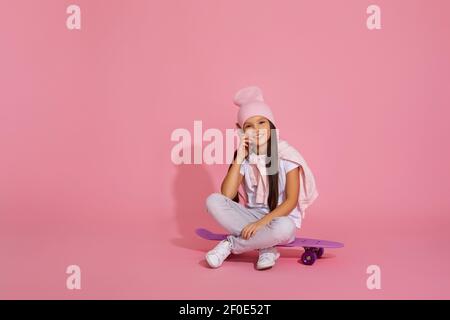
(251, 103)
(247, 95)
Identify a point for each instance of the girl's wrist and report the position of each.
(239, 160)
(266, 219)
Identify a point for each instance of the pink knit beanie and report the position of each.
(251, 103)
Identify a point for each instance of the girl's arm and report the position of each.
(232, 180)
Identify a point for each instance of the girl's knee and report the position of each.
(283, 229)
(213, 201)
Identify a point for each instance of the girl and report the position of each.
(272, 173)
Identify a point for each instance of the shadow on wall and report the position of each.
(191, 186)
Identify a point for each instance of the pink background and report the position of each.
(86, 116)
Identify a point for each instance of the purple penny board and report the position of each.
(314, 248)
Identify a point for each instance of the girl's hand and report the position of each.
(250, 229)
(242, 150)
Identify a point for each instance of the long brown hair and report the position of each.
(272, 178)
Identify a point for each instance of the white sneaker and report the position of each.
(216, 256)
(267, 258)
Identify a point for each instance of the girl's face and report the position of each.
(258, 129)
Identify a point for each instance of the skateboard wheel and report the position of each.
(309, 257)
(320, 252)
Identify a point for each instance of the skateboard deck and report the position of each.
(314, 248)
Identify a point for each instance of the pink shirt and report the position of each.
(285, 167)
